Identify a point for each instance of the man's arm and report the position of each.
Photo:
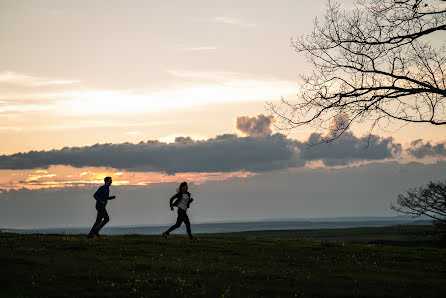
(112, 197)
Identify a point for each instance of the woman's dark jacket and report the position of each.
(177, 197)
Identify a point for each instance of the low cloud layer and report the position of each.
(255, 126)
(225, 153)
(348, 148)
(419, 149)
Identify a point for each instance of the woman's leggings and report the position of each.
(182, 217)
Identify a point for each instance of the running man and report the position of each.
(101, 196)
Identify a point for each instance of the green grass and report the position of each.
(396, 235)
(232, 265)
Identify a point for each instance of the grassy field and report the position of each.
(250, 264)
(393, 235)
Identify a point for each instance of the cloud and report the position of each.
(419, 149)
(11, 77)
(102, 102)
(205, 87)
(25, 108)
(255, 126)
(225, 153)
(232, 21)
(10, 128)
(338, 125)
(217, 75)
(348, 148)
(136, 132)
(202, 48)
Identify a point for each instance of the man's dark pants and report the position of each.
(182, 217)
(101, 219)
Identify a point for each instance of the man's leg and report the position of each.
(96, 223)
(105, 217)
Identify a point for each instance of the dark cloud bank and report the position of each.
(259, 151)
(225, 153)
(348, 148)
(419, 149)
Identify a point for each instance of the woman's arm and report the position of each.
(173, 198)
(171, 201)
(190, 200)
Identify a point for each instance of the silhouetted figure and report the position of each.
(101, 196)
(182, 202)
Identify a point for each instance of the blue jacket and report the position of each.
(102, 194)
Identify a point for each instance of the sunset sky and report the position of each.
(153, 93)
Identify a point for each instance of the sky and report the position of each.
(155, 93)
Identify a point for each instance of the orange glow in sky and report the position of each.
(66, 176)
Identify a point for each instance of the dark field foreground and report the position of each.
(270, 263)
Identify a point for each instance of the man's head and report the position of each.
(108, 180)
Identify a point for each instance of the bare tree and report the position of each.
(427, 200)
(381, 61)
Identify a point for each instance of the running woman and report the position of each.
(181, 200)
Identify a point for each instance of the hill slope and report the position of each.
(147, 266)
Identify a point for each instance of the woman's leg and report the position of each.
(187, 222)
(176, 225)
